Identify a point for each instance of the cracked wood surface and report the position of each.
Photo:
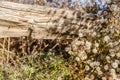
(41, 22)
(16, 19)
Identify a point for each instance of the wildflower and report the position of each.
(84, 57)
(80, 35)
(109, 1)
(117, 61)
(115, 65)
(113, 74)
(70, 52)
(77, 59)
(106, 38)
(112, 31)
(100, 72)
(78, 43)
(98, 68)
(110, 44)
(75, 48)
(96, 44)
(112, 71)
(118, 54)
(92, 64)
(108, 58)
(87, 68)
(112, 54)
(106, 67)
(89, 61)
(94, 34)
(67, 49)
(88, 45)
(94, 50)
(104, 78)
(82, 42)
(87, 77)
(92, 77)
(80, 53)
(88, 51)
(97, 63)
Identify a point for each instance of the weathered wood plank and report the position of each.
(45, 22)
(12, 32)
(16, 19)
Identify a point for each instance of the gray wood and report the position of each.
(16, 20)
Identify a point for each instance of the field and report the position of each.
(87, 48)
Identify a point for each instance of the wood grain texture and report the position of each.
(42, 22)
(16, 19)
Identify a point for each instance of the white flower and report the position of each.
(108, 58)
(112, 54)
(100, 72)
(88, 45)
(118, 54)
(104, 78)
(106, 67)
(77, 43)
(92, 64)
(109, 1)
(117, 61)
(94, 50)
(80, 53)
(112, 71)
(80, 35)
(110, 44)
(67, 49)
(88, 51)
(74, 48)
(84, 57)
(92, 77)
(106, 38)
(87, 68)
(87, 77)
(77, 59)
(94, 34)
(115, 65)
(96, 44)
(82, 42)
(89, 61)
(97, 63)
(70, 52)
(98, 68)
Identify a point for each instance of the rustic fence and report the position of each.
(36, 21)
(42, 22)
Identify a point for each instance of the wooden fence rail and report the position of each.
(22, 20)
(40, 22)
